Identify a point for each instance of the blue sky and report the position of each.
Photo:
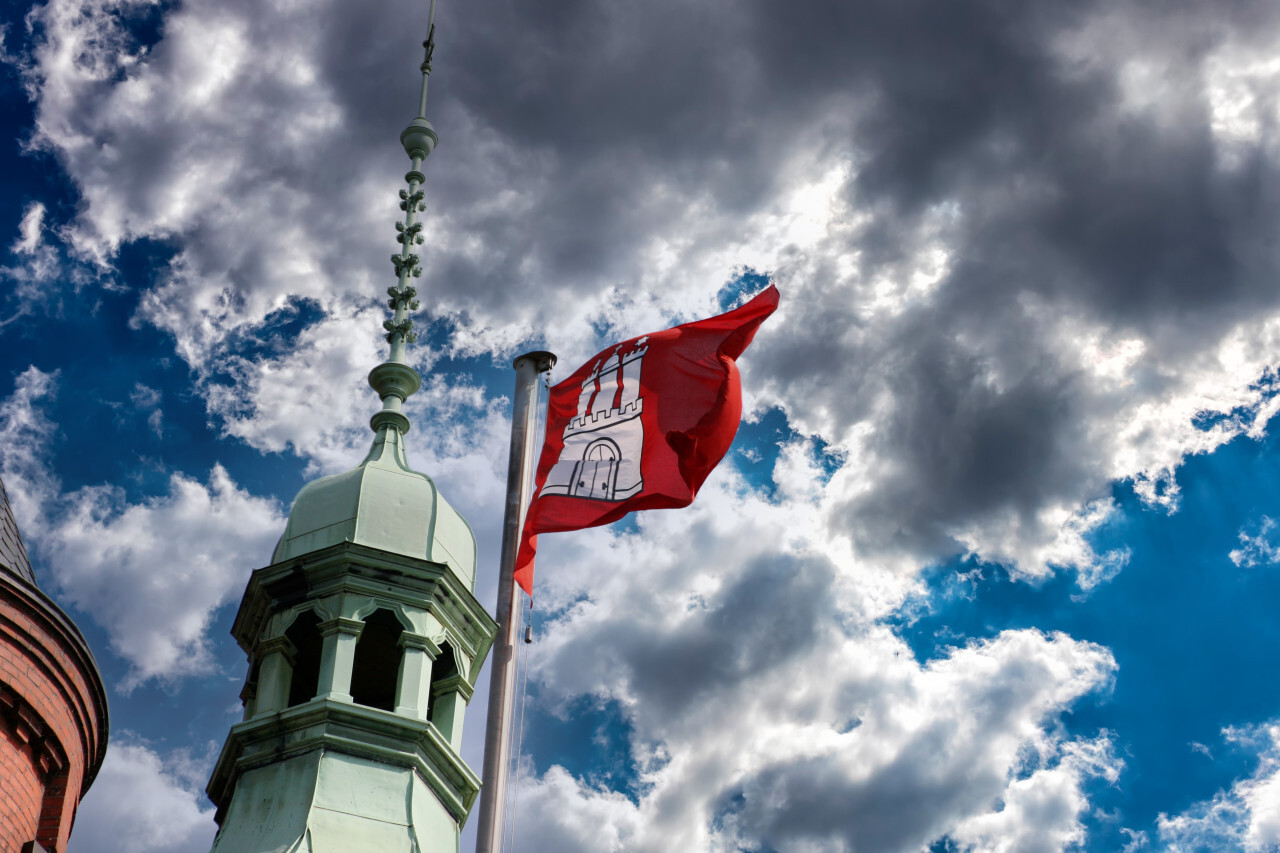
(992, 564)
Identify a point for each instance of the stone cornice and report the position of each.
(352, 729)
(341, 625)
(417, 641)
(351, 568)
(278, 644)
(453, 684)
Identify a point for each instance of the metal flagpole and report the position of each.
(502, 670)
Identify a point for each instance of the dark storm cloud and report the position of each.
(768, 612)
(762, 717)
(772, 611)
(1127, 216)
(962, 448)
(947, 102)
(1063, 158)
(1067, 197)
(600, 105)
(577, 137)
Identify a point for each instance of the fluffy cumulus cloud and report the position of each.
(966, 211)
(153, 591)
(769, 710)
(164, 811)
(1245, 817)
(1042, 811)
(1023, 252)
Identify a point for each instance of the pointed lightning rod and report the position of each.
(394, 379)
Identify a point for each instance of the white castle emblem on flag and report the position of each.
(603, 443)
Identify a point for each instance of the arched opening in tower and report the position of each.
(304, 633)
(377, 661)
(444, 666)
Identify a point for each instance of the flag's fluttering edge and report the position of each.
(640, 425)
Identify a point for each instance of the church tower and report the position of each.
(364, 637)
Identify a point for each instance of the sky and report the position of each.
(993, 562)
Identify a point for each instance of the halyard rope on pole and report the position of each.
(540, 427)
(498, 734)
(519, 732)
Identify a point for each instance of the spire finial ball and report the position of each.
(419, 138)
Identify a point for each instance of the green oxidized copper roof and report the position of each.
(382, 503)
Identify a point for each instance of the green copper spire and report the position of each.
(383, 503)
(394, 380)
(363, 635)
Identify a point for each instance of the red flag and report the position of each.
(640, 425)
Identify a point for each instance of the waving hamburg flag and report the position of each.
(640, 425)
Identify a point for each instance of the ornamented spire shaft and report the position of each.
(394, 380)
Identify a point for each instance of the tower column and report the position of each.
(337, 656)
(275, 674)
(451, 696)
(248, 699)
(413, 685)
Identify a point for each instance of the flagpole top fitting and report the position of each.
(541, 359)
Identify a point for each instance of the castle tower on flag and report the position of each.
(604, 443)
(363, 635)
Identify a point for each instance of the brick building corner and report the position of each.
(53, 707)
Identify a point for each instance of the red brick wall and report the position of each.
(52, 718)
(21, 793)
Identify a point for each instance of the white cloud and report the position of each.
(36, 264)
(31, 229)
(147, 399)
(1042, 811)
(1138, 840)
(915, 768)
(991, 319)
(153, 573)
(311, 398)
(1246, 817)
(1240, 82)
(160, 145)
(987, 372)
(1257, 549)
(154, 592)
(164, 811)
(23, 424)
(770, 710)
(557, 812)
(144, 396)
